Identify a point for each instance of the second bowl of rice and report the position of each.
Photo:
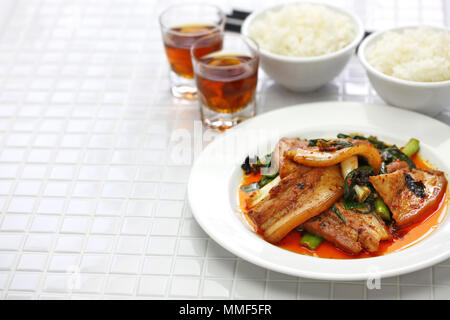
(409, 67)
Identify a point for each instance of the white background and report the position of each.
(92, 206)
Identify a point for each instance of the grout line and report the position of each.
(233, 283)
(103, 179)
(133, 180)
(266, 285)
(446, 10)
(9, 13)
(72, 181)
(142, 116)
(24, 157)
(331, 297)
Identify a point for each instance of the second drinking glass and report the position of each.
(226, 79)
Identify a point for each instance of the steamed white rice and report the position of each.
(303, 30)
(419, 54)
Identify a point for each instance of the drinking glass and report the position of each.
(181, 25)
(226, 80)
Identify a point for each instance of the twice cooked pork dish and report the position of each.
(352, 193)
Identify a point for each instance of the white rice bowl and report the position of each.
(303, 30)
(419, 54)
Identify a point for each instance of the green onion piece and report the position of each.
(326, 143)
(382, 209)
(268, 173)
(349, 183)
(411, 147)
(350, 205)
(338, 213)
(362, 192)
(311, 241)
(373, 140)
(383, 168)
(250, 187)
(313, 142)
(369, 205)
(343, 143)
(393, 153)
(266, 179)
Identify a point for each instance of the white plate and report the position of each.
(216, 175)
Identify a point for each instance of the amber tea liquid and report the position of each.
(229, 84)
(177, 42)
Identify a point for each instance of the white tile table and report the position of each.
(91, 204)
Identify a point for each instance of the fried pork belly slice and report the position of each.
(360, 231)
(297, 198)
(285, 165)
(407, 206)
(315, 157)
(396, 165)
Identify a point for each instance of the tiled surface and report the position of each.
(92, 204)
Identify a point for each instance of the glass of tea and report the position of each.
(181, 25)
(226, 79)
